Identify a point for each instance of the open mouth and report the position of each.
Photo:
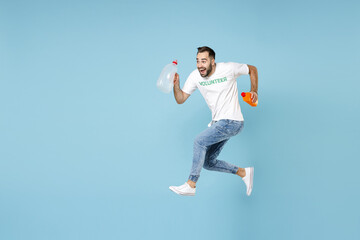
(202, 71)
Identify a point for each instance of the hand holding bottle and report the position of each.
(251, 98)
(165, 82)
(176, 80)
(254, 97)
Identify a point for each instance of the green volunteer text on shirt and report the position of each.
(207, 83)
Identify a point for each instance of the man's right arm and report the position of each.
(179, 95)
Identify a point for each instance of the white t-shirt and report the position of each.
(219, 90)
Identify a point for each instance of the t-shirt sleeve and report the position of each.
(190, 85)
(240, 69)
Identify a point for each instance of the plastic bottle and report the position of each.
(166, 80)
(247, 98)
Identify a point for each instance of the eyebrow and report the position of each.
(201, 59)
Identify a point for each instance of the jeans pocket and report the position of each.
(229, 127)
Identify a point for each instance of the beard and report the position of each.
(208, 70)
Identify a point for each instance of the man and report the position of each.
(217, 84)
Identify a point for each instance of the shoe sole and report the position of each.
(251, 180)
(180, 193)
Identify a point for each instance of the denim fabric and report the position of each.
(208, 145)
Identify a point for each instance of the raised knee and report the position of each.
(206, 166)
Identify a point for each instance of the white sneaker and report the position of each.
(248, 179)
(184, 189)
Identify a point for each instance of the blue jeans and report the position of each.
(208, 145)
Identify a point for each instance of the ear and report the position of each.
(213, 61)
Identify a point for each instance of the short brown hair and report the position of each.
(206, 49)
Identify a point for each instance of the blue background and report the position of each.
(89, 145)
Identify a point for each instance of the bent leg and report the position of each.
(221, 131)
(213, 164)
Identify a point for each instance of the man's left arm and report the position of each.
(254, 82)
